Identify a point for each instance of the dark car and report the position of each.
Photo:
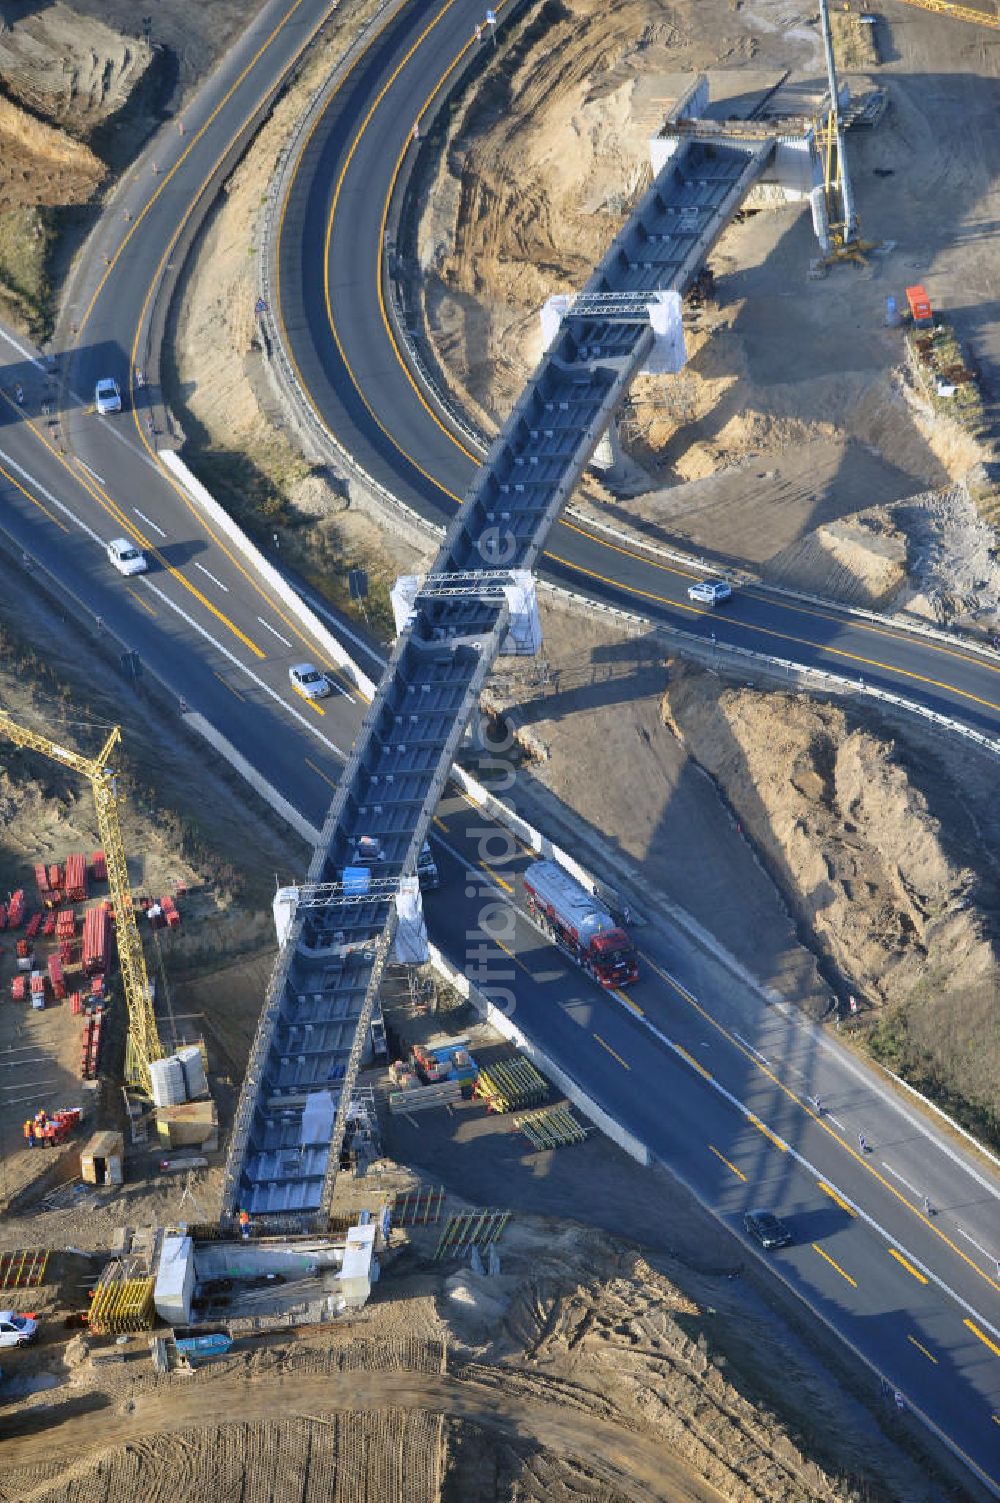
(768, 1229)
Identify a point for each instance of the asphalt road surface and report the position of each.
(714, 1081)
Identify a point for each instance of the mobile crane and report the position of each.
(143, 1043)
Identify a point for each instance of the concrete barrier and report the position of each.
(275, 581)
(573, 1092)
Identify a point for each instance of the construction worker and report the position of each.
(245, 1226)
(862, 1142)
(29, 1133)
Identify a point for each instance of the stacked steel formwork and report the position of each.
(290, 1124)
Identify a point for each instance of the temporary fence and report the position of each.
(470, 1229)
(554, 1128)
(510, 1084)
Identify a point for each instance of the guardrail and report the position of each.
(275, 580)
(281, 361)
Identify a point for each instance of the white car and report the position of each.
(126, 557)
(710, 592)
(308, 681)
(107, 396)
(16, 1330)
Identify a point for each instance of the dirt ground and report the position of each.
(794, 427)
(587, 1367)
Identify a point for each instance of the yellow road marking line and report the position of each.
(613, 1052)
(496, 877)
(907, 1265)
(33, 499)
(310, 702)
(139, 600)
(756, 1122)
(109, 505)
(510, 953)
(616, 991)
(166, 178)
(230, 687)
(627, 552)
(921, 1348)
(738, 1172)
(862, 1159)
(983, 1337)
(320, 773)
(841, 1202)
(995, 1418)
(826, 1256)
(693, 1062)
(440, 823)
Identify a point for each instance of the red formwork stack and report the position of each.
(65, 924)
(75, 883)
(33, 925)
(91, 1051)
(15, 909)
(42, 880)
(96, 940)
(49, 925)
(99, 867)
(55, 878)
(19, 988)
(56, 978)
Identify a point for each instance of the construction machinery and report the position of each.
(842, 227)
(143, 1043)
(574, 920)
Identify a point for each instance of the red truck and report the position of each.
(574, 920)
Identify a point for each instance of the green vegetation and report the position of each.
(254, 487)
(942, 1043)
(26, 237)
(937, 356)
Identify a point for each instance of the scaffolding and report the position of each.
(123, 1299)
(470, 1229)
(510, 1084)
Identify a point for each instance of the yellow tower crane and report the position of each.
(143, 1045)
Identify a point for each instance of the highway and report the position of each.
(331, 303)
(714, 1081)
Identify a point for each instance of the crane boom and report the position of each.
(143, 1040)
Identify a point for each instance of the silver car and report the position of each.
(107, 396)
(710, 592)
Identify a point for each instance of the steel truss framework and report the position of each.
(293, 1112)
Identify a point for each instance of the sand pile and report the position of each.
(886, 853)
(40, 164)
(68, 69)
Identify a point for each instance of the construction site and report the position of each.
(295, 1206)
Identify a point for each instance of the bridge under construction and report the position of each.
(296, 1099)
